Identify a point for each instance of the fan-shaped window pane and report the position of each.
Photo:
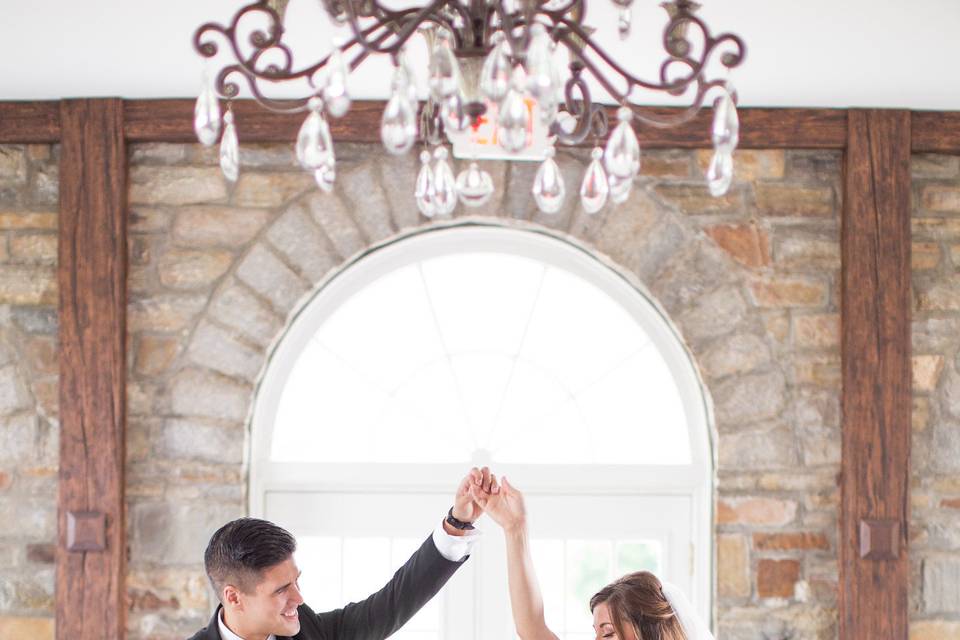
(487, 355)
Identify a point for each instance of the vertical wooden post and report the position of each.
(92, 272)
(875, 244)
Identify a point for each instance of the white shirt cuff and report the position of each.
(454, 548)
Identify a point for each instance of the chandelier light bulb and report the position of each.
(229, 149)
(206, 115)
(594, 189)
(621, 157)
(474, 186)
(335, 88)
(548, 188)
(425, 191)
(444, 183)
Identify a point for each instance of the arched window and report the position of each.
(477, 345)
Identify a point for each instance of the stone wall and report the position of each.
(750, 279)
(29, 426)
(935, 526)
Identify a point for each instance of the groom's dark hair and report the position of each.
(240, 550)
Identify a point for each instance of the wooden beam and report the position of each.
(90, 592)
(935, 132)
(875, 249)
(29, 122)
(171, 121)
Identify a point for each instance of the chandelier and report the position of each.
(513, 66)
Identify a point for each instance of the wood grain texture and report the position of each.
(935, 132)
(92, 274)
(29, 122)
(171, 121)
(875, 246)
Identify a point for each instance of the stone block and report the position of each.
(217, 226)
(144, 219)
(266, 274)
(641, 239)
(188, 269)
(749, 398)
(946, 446)
(45, 185)
(955, 255)
(17, 221)
(34, 628)
(40, 355)
(768, 447)
(19, 438)
(362, 187)
(156, 153)
(749, 165)
(817, 331)
(155, 354)
(168, 312)
(950, 393)
(177, 534)
(189, 588)
(756, 511)
(666, 163)
(13, 164)
(931, 165)
(41, 553)
(941, 585)
(41, 320)
(336, 220)
(920, 416)
(300, 241)
(745, 243)
(13, 392)
(695, 199)
(788, 292)
(194, 440)
(714, 314)
(942, 296)
(31, 518)
(777, 578)
(788, 200)
(260, 189)
(934, 630)
(924, 256)
(821, 370)
(735, 354)
(733, 566)
(926, 372)
(806, 252)
(28, 285)
(940, 197)
(214, 348)
(208, 395)
(935, 228)
(399, 179)
(238, 308)
(794, 541)
(34, 248)
(176, 185)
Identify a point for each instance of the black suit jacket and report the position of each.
(381, 614)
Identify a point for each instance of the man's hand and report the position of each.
(502, 503)
(465, 508)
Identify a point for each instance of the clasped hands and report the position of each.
(480, 492)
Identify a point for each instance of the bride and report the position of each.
(635, 607)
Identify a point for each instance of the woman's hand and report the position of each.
(503, 503)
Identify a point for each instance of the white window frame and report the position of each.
(695, 480)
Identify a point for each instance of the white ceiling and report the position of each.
(832, 53)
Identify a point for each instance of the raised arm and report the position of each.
(504, 504)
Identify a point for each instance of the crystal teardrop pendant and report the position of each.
(444, 183)
(454, 116)
(539, 64)
(314, 146)
(229, 149)
(548, 189)
(624, 18)
(425, 192)
(726, 123)
(206, 115)
(720, 173)
(495, 75)
(621, 157)
(619, 188)
(444, 70)
(398, 128)
(594, 189)
(325, 177)
(474, 186)
(335, 88)
(513, 122)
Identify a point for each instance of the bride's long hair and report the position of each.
(637, 601)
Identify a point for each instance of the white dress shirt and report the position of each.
(453, 548)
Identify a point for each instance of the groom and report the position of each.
(250, 565)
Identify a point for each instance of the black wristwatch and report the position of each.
(458, 524)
